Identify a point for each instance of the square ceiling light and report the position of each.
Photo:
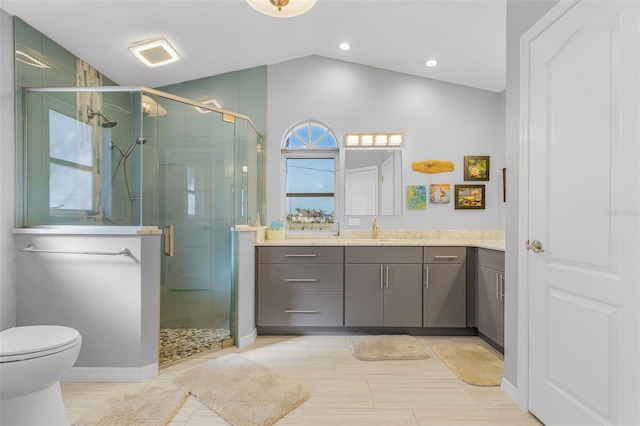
(154, 52)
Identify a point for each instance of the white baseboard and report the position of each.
(510, 390)
(248, 339)
(111, 374)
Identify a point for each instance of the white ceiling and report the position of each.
(467, 37)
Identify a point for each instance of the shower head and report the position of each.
(107, 123)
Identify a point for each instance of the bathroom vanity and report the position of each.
(414, 286)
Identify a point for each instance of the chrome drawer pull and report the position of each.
(445, 257)
(300, 280)
(300, 255)
(300, 311)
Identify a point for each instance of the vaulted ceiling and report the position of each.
(467, 37)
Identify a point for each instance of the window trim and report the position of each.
(310, 152)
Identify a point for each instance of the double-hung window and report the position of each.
(310, 160)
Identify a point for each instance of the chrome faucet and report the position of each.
(374, 228)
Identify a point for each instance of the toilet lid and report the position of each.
(35, 341)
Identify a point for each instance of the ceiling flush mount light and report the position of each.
(154, 52)
(369, 140)
(431, 63)
(345, 46)
(282, 8)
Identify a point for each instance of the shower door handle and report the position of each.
(168, 240)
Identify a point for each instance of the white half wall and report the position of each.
(113, 301)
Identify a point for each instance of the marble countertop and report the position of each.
(404, 242)
(489, 239)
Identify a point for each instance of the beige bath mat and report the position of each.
(471, 363)
(242, 391)
(147, 406)
(379, 348)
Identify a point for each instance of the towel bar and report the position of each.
(32, 249)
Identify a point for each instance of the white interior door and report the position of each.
(361, 191)
(387, 185)
(584, 334)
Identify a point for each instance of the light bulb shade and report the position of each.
(293, 8)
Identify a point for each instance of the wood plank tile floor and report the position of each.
(345, 391)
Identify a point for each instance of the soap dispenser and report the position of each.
(374, 228)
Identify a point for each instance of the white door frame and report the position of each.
(523, 206)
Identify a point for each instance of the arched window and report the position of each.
(309, 175)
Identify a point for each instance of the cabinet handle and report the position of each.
(300, 280)
(445, 257)
(498, 285)
(501, 286)
(426, 276)
(300, 311)
(386, 278)
(300, 255)
(381, 276)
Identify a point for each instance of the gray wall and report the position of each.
(439, 120)
(521, 15)
(8, 286)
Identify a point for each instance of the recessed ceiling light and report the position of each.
(154, 52)
(345, 46)
(431, 63)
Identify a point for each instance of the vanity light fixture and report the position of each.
(282, 8)
(431, 63)
(213, 101)
(345, 46)
(353, 140)
(154, 52)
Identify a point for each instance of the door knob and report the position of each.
(535, 246)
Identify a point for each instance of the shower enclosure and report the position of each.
(116, 156)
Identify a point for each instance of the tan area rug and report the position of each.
(148, 406)
(242, 391)
(380, 348)
(471, 363)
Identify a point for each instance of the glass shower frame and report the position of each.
(210, 193)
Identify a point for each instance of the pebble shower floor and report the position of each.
(180, 343)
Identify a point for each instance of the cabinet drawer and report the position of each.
(300, 310)
(300, 254)
(384, 255)
(493, 259)
(445, 254)
(300, 279)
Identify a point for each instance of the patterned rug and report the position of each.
(180, 343)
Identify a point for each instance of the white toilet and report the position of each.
(32, 361)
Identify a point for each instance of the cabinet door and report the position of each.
(363, 295)
(445, 295)
(403, 295)
(490, 308)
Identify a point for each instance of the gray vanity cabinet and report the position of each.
(383, 286)
(445, 287)
(300, 286)
(490, 294)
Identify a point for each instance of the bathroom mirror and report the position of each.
(372, 182)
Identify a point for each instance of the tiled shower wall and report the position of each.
(63, 69)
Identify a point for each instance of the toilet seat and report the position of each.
(22, 343)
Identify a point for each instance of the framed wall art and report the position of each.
(469, 196)
(440, 193)
(476, 167)
(416, 197)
